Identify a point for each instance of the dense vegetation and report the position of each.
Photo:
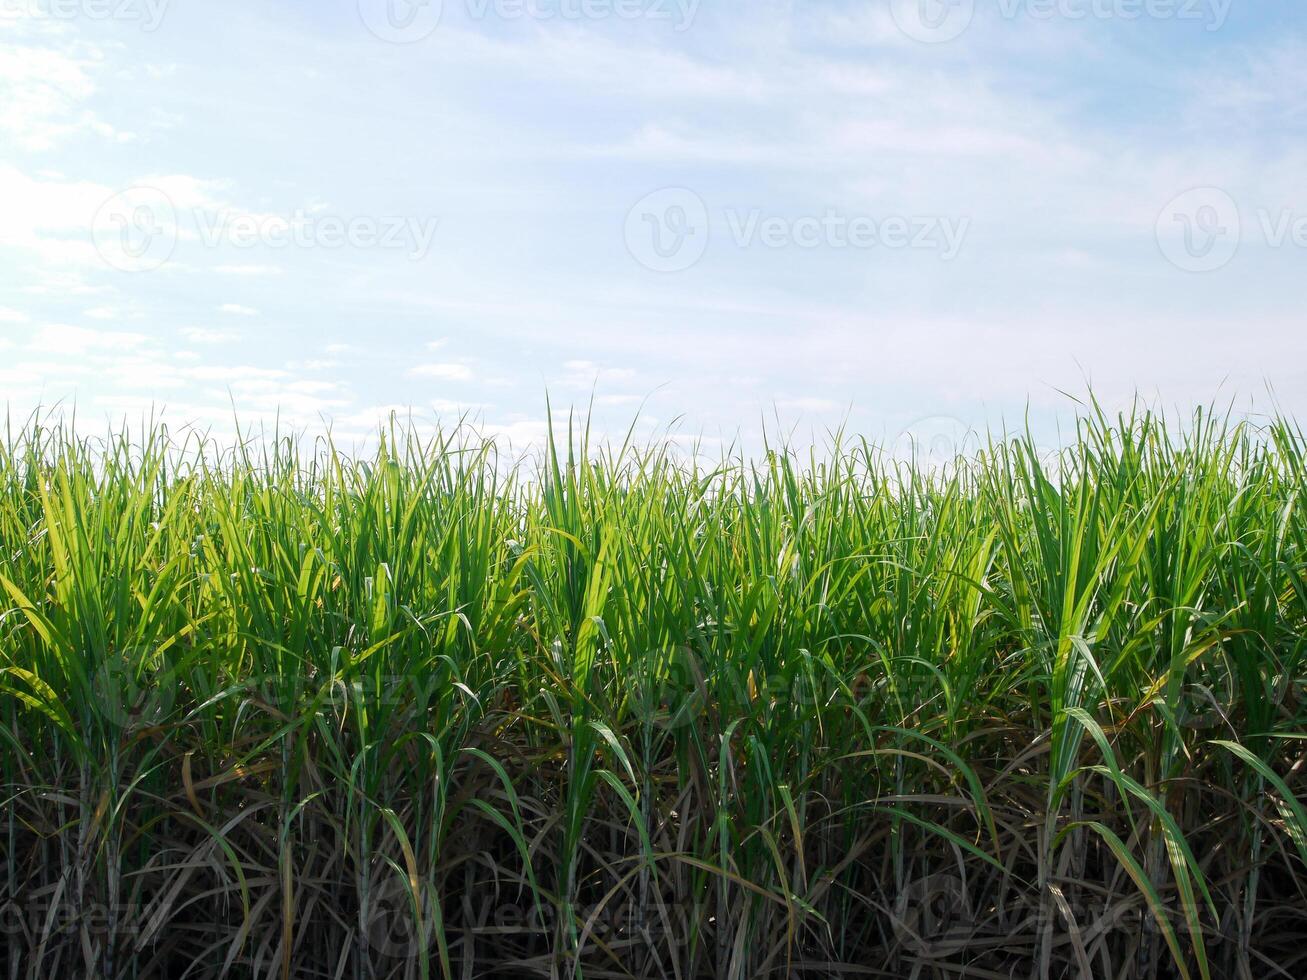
(271, 711)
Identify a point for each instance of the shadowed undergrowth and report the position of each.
(277, 712)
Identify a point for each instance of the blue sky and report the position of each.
(896, 212)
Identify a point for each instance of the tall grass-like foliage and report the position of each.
(275, 712)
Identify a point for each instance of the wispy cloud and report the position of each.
(789, 111)
(249, 270)
(447, 371)
(204, 335)
(59, 338)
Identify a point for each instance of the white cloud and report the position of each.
(517, 432)
(49, 219)
(587, 374)
(444, 372)
(449, 406)
(203, 335)
(144, 374)
(249, 270)
(188, 192)
(296, 401)
(60, 338)
(232, 374)
(42, 91)
(53, 282)
(808, 404)
(807, 106)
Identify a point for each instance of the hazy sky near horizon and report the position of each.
(882, 211)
